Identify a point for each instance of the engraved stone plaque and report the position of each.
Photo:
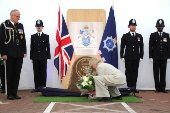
(80, 68)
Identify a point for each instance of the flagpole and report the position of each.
(113, 2)
(58, 3)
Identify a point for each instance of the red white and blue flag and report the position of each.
(64, 50)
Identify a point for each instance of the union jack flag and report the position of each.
(64, 50)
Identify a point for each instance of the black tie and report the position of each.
(133, 35)
(14, 25)
(160, 34)
(39, 34)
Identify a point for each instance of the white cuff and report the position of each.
(140, 60)
(151, 59)
(123, 59)
(48, 60)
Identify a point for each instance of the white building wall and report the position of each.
(146, 12)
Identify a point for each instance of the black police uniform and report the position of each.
(14, 46)
(131, 50)
(39, 53)
(159, 50)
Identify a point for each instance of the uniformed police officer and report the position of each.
(159, 54)
(40, 55)
(13, 50)
(131, 52)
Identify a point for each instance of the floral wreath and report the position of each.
(86, 83)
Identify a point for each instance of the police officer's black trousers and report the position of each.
(131, 72)
(13, 70)
(2, 75)
(159, 70)
(40, 73)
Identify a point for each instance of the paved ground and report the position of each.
(152, 103)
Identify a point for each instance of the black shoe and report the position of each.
(17, 97)
(10, 97)
(164, 91)
(118, 97)
(34, 90)
(3, 91)
(157, 91)
(133, 89)
(136, 91)
(106, 99)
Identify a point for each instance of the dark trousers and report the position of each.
(13, 70)
(131, 72)
(2, 75)
(40, 73)
(159, 70)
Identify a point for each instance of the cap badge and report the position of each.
(160, 21)
(38, 22)
(133, 21)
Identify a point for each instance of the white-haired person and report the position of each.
(107, 80)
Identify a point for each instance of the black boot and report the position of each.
(106, 99)
(135, 90)
(118, 97)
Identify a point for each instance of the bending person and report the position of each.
(107, 80)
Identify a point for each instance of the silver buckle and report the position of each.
(17, 40)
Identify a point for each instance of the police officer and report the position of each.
(131, 52)
(40, 55)
(13, 50)
(159, 54)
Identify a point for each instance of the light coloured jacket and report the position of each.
(107, 69)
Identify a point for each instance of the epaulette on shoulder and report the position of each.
(7, 22)
(4, 23)
(19, 23)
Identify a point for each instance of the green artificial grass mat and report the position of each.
(128, 98)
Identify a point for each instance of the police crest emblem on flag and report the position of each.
(109, 43)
